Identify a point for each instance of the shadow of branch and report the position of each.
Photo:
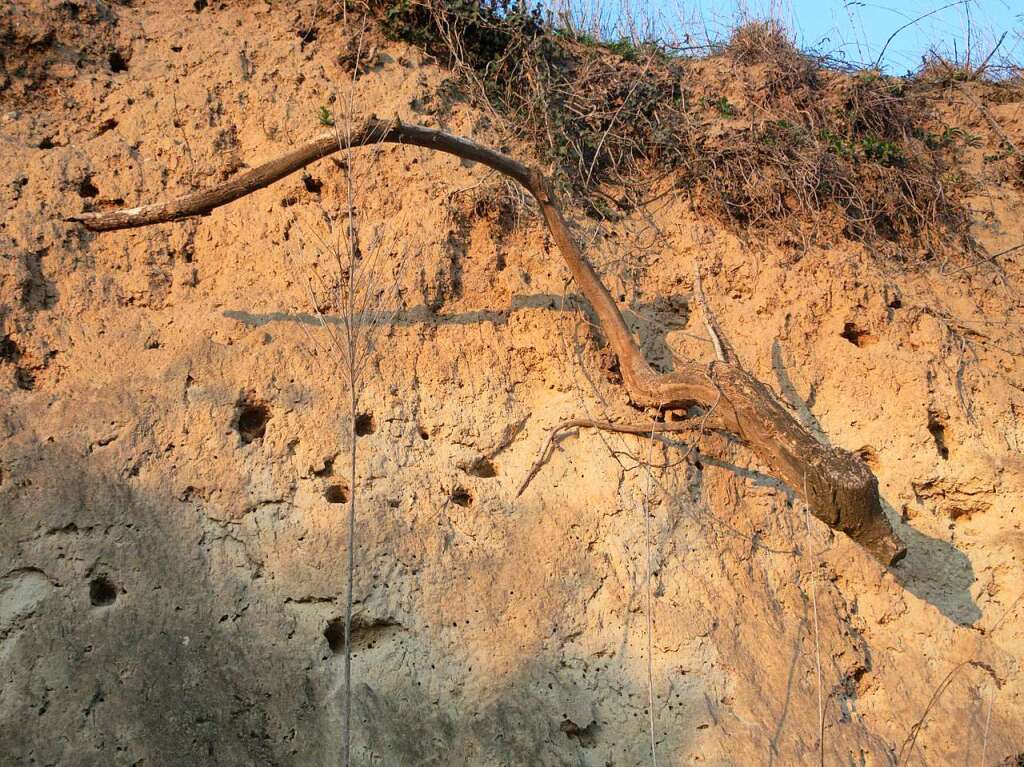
(935, 571)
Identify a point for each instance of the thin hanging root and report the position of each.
(641, 430)
(840, 489)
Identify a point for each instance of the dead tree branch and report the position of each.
(723, 350)
(840, 490)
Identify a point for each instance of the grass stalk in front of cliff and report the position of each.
(649, 596)
(346, 275)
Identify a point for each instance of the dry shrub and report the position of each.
(759, 42)
(847, 155)
(869, 104)
(936, 70)
(767, 44)
(756, 179)
(594, 110)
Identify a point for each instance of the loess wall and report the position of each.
(173, 450)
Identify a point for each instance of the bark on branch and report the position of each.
(839, 488)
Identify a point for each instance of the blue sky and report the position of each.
(856, 30)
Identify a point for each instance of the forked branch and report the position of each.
(839, 488)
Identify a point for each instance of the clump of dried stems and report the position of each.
(805, 150)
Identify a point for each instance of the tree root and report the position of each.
(640, 430)
(839, 488)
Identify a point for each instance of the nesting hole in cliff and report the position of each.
(937, 428)
(336, 494)
(313, 185)
(365, 424)
(102, 591)
(482, 467)
(462, 497)
(334, 633)
(857, 335)
(252, 420)
(117, 62)
(87, 189)
(24, 379)
(9, 350)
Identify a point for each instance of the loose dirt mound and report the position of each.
(171, 460)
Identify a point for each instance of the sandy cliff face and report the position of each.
(173, 453)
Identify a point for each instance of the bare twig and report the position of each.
(911, 741)
(912, 22)
(1006, 614)
(980, 69)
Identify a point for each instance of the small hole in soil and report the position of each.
(199, 5)
(461, 497)
(336, 494)
(937, 428)
(483, 467)
(896, 304)
(117, 62)
(46, 143)
(102, 591)
(335, 635)
(25, 379)
(365, 424)
(424, 434)
(86, 188)
(856, 336)
(313, 185)
(9, 350)
(252, 421)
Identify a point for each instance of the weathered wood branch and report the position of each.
(839, 488)
(723, 349)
